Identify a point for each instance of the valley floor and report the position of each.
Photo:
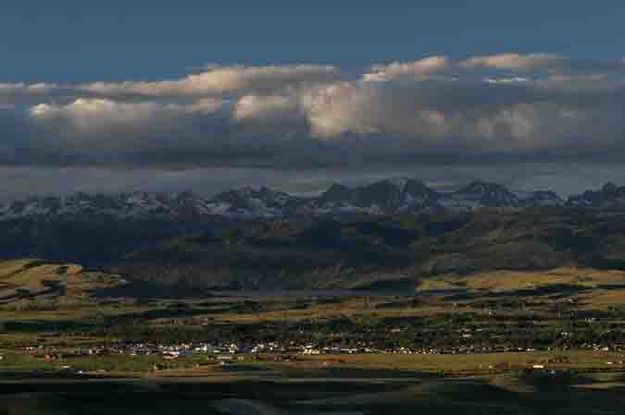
(491, 343)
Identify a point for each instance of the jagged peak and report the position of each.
(390, 195)
(479, 186)
(336, 189)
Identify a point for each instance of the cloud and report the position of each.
(264, 107)
(418, 70)
(221, 80)
(330, 110)
(514, 61)
(87, 116)
(506, 80)
(15, 94)
(204, 106)
(534, 105)
(40, 88)
(470, 118)
(103, 131)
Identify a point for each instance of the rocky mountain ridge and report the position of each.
(382, 197)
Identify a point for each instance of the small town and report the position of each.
(232, 352)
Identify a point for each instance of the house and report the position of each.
(170, 355)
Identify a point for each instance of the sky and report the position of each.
(160, 95)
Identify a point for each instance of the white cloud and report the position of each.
(506, 80)
(20, 88)
(221, 80)
(514, 61)
(332, 110)
(93, 114)
(366, 109)
(87, 117)
(418, 70)
(261, 107)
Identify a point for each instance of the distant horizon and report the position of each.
(559, 180)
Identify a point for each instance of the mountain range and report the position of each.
(382, 197)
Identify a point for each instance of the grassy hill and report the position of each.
(504, 281)
(25, 280)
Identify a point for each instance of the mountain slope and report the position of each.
(337, 253)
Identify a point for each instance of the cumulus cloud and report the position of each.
(104, 131)
(16, 94)
(515, 61)
(264, 107)
(330, 110)
(513, 104)
(417, 70)
(20, 88)
(460, 120)
(204, 106)
(221, 80)
(87, 116)
(425, 120)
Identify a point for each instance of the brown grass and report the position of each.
(502, 281)
(33, 279)
(472, 363)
